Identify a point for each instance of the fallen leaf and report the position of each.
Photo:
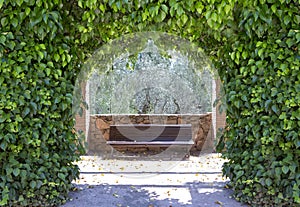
(219, 202)
(74, 189)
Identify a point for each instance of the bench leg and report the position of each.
(188, 153)
(112, 152)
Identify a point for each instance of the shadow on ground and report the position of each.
(189, 194)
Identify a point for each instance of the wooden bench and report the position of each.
(149, 135)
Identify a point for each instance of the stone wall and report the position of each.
(99, 128)
(82, 122)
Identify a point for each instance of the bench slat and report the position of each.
(150, 133)
(150, 143)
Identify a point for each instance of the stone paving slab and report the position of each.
(197, 181)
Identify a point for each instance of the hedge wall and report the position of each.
(255, 47)
(254, 44)
(262, 83)
(37, 141)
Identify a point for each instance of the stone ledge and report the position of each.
(99, 127)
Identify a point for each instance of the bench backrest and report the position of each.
(150, 132)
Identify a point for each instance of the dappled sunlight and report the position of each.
(206, 168)
(181, 194)
(195, 181)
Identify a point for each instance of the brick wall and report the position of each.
(81, 120)
(220, 117)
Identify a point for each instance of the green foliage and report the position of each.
(37, 142)
(254, 45)
(262, 85)
(109, 19)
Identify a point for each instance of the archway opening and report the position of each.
(147, 78)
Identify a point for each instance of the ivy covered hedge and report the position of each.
(254, 45)
(262, 83)
(37, 141)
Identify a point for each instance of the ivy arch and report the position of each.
(254, 45)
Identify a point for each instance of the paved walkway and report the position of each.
(196, 182)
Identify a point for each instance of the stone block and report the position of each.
(172, 121)
(199, 145)
(147, 121)
(179, 120)
(101, 124)
(125, 120)
(200, 133)
(139, 119)
(106, 135)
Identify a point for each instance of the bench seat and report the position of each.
(151, 135)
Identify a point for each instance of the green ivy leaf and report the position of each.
(62, 176)
(298, 37)
(292, 168)
(268, 182)
(260, 52)
(297, 143)
(199, 7)
(80, 4)
(2, 39)
(227, 9)
(2, 119)
(48, 71)
(274, 8)
(179, 10)
(16, 171)
(56, 57)
(184, 18)
(34, 106)
(19, 2)
(285, 169)
(275, 108)
(32, 184)
(27, 10)
(101, 7)
(267, 104)
(278, 172)
(286, 20)
(50, 64)
(164, 8)
(245, 54)
(214, 17)
(3, 145)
